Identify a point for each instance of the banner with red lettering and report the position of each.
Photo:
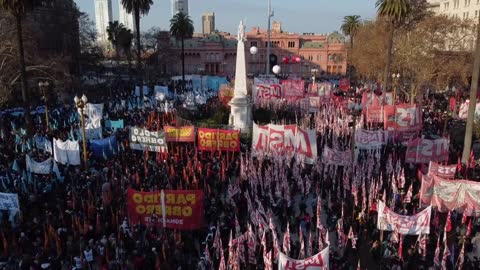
(319, 261)
(288, 140)
(371, 99)
(344, 84)
(218, 139)
(266, 92)
(374, 114)
(417, 224)
(449, 195)
(175, 209)
(180, 134)
(336, 157)
(423, 150)
(367, 139)
(444, 171)
(293, 89)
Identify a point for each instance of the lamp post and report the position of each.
(270, 15)
(44, 88)
(355, 110)
(81, 103)
(396, 78)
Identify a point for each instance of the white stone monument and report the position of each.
(240, 104)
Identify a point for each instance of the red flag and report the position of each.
(461, 258)
(459, 165)
(469, 228)
(286, 241)
(472, 160)
(448, 224)
(446, 253)
(436, 256)
(400, 247)
(301, 255)
(464, 217)
(351, 236)
(319, 212)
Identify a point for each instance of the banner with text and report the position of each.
(336, 157)
(267, 92)
(417, 224)
(374, 114)
(366, 139)
(402, 118)
(444, 171)
(141, 139)
(285, 140)
(424, 151)
(175, 209)
(180, 134)
(218, 139)
(9, 201)
(293, 89)
(319, 261)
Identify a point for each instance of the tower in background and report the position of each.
(103, 15)
(208, 23)
(125, 18)
(179, 6)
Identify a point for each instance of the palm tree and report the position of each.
(467, 143)
(393, 11)
(181, 27)
(138, 7)
(17, 9)
(113, 31)
(350, 27)
(125, 38)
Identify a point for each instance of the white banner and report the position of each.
(44, 167)
(318, 261)
(67, 152)
(366, 139)
(417, 224)
(444, 171)
(285, 140)
(93, 121)
(9, 201)
(335, 157)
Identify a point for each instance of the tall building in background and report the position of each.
(125, 18)
(179, 6)
(103, 15)
(462, 9)
(208, 23)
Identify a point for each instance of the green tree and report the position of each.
(125, 38)
(113, 31)
(18, 9)
(181, 27)
(138, 8)
(350, 27)
(394, 12)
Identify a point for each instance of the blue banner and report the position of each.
(104, 148)
(118, 124)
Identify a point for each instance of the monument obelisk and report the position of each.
(240, 104)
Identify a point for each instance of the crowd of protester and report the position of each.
(79, 220)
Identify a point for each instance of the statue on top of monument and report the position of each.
(241, 32)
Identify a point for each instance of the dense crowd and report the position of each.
(77, 219)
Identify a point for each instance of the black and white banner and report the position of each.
(141, 139)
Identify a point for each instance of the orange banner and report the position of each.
(218, 139)
(225, 94)
(180, 134)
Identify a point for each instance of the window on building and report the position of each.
(319, 57)
(291, 44)
(339, 69)
(266, 44)
(476, 14)
(445, 5)
(456, 3)
(253, 43)
(466, 15)
(329, 69)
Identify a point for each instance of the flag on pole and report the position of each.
(352, 237)
(461, 258)
(448, 224)
(286, 241)
(319, 212)
(436, 256)
(446, 252)
(301, 254)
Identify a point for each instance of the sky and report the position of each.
(298, 16)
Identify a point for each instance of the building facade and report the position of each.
(125, 18)
(462, 9)
(103, 15)
(179, 6)
(216, 53)
(208, 23)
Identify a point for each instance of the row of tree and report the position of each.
(426, 49)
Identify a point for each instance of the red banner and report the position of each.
(344, 84)
(175, 209)
(402, 118)
(374, 114)
(444, 171)
(218, 139)
(336, 157)
(424, 151)
(293, 89)
(180, 134)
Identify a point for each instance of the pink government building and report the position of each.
(215, 54)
